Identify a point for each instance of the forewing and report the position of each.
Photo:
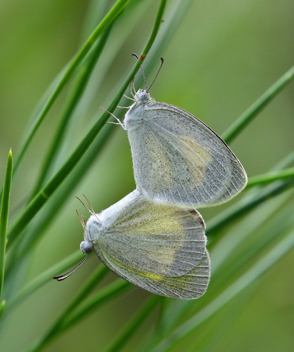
(178, 159)
(158, 239)
(192, 285)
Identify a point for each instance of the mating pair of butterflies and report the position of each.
(154, 238)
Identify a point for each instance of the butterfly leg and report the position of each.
(131, 88)
(113, 123)
(129, 97)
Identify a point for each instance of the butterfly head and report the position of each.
(142, 96)
(86, 247)
(92, 230)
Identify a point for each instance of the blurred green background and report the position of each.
(221, 58)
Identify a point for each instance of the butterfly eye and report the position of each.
(143, 95)
(86, 247)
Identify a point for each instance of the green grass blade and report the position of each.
(122, 338)
(87, 307)
(40, 199)
(154, 31)
(214, 331)
(227, 295)
(270, 177)
(107, 20)
(226, 263)
(253, 110)
(105, 294)
(2, 307)
(245, 205)
(44, 277)
(84, 72)
(92, 281)
(4, 217)
(253, 198)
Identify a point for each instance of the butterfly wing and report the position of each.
(178, 159)
(192, 285)
(159, 239)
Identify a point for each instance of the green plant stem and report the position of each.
(249, 114)
(105, 294)
(243, 207)
(40, 199)
(228, 294)
(133, 324)
(44, 277)
(254, 198)
(4, 217)
(110, 291)
(93, 280)
(2, 307)
(270, 177)
(81, 80)
(230, 245)
(107, 20)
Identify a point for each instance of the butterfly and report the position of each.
(176, 157)
(160, 248)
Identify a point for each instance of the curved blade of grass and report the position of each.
(171, 20)
(230, 243)
(253, 110)
(79, 85)
(244, 206)
(92, 281)
(87, 307)
(4, 217)
(107, 20)
(44, 277)
(227, 295)
(40, 199)
(270, 177)
(226, 264)
(132, 325)
(105, 294)
(175, 14)
(90, 157)
(206, 340)
(2, 307)
(253, 198)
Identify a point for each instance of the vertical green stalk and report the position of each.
(41, 198)
(253, 110)
(79, 85)
(107, 20)
(122, 338)
(4, 218)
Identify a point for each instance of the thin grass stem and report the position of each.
(4, 213)
(79, 85)
(242, 207)
(107, 20)
(44, 277)
(228, 294)
(43, 195)
(270, 177)
(248, 115)
(132, 325)
(105, 294)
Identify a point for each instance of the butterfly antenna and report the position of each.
(71, 271)
(92, 210)
(161, 63)
(82, 220)
(136, 56)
